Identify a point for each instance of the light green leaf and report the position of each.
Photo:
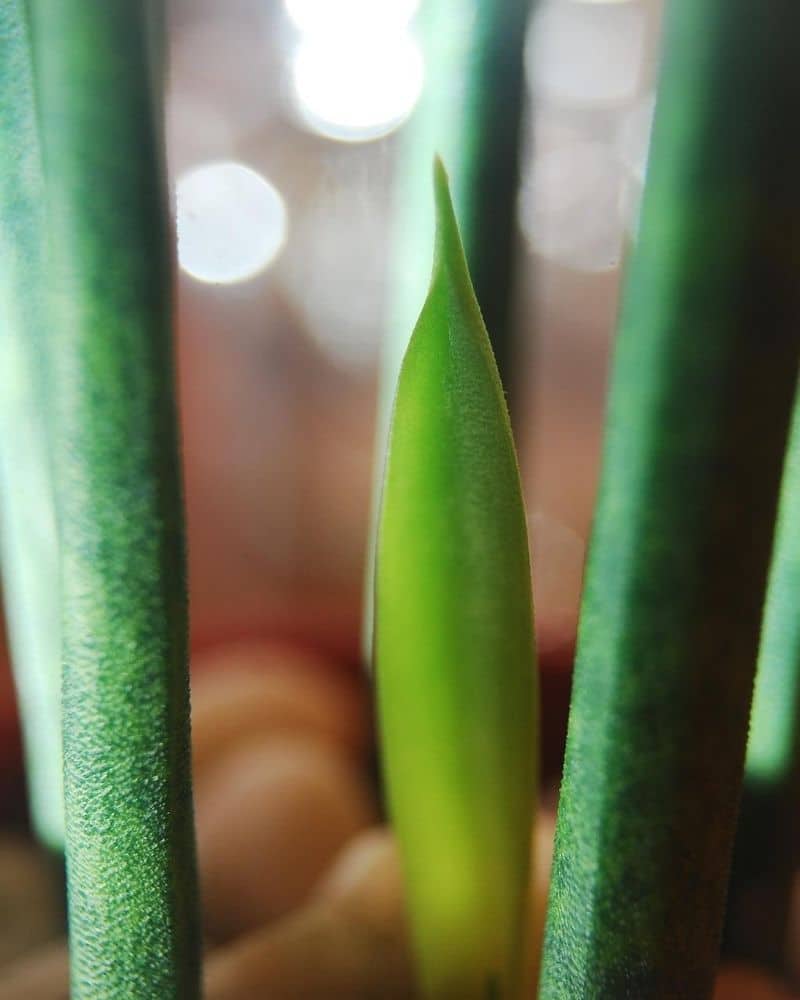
(454, 642)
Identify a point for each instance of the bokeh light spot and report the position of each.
(586, 55)
(231, 222)
(323, 16)
(355, 88)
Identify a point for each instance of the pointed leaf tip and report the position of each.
(455, 659)
(441, 181)
(450, 262)
(448, 238)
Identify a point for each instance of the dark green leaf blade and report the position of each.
(130, 844)
(704, 372)
(768, 834)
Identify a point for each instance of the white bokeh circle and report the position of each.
(231, 222)
(355, 89)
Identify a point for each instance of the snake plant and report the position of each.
(470, 112)
(454, 645)
(704, 373)
(90, 286)
(27, 513)
(765, 856)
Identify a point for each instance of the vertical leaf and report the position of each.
(454, 644)
(130, 850)
(703, 378)
(27, 515)
(470, 111)
(766, 851)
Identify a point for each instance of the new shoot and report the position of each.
(454, 645)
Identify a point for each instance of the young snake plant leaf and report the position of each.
(27, 515)
(704, 373)
(129, 831)
(766, 852)
(454, 644)
(470, 111)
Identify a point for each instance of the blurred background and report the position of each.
(286, 124)
(288, 129)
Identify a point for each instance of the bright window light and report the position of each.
(356, 89)
(323, 16)
(231, 222)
